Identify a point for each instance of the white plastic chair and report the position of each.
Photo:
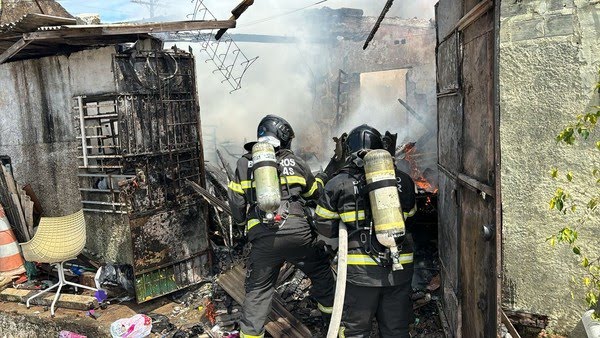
(57, 240)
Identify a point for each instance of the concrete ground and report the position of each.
(16, 321)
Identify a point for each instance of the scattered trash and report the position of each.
(100, 295)
(92, 314)
(138, 326)
(161, 323)
(115, 275)
(69, 334)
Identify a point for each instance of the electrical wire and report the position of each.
(280, 15)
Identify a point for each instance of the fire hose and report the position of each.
(340, 283)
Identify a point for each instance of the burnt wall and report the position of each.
(398, 44)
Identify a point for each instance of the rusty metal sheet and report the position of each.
(447, 15)
(450, 117)
(478, 128)
(447, 65)
(477, 266)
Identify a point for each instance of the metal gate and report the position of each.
(469, 195)
(139, 147)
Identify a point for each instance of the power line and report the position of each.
(280, 15)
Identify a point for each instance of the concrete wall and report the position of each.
(549, 62)
(36, 121)
(37, 132)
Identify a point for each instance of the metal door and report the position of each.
(469, 196)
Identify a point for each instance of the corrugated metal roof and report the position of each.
(13, 10)
(31, 22)
(54, 38)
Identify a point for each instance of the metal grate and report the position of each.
(139, 147)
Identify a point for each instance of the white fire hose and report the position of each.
(340, 284)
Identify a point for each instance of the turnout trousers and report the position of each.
(267, 255)
(391, 306)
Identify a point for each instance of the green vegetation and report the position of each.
(578, 207)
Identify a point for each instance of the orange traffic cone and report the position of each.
(11, 261)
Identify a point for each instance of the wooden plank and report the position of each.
(478, 11)
(417, 116)
(123, 29)
(67, 301)
(476, 185)
(447, 65)
(478, 107)
(27, 207)
(477, 270)
(450, 129)
(280, 322)
(511, 329)
(14, 49)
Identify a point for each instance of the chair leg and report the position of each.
(40, 293)
(61, 281)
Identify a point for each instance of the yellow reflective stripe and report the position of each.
(235, 187)
(325, 309)
(251, 223)
(325, 213)
(360, 259)
(247, 184)
(311, 191)
(319, 180)
(411, 213)
(293, 180)
(245, 335)
(380, 173)
(406, 258)
(389, 226)
(350, 216)
(342, 332)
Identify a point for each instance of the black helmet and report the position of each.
(272, 126)
(362, 138)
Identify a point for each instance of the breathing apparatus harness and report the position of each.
(366, 233)
(277, 219)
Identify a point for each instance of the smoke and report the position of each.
(287, 79)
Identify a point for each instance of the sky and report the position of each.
(274, 10)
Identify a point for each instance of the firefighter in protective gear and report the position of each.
(373, 288)
(285, 237)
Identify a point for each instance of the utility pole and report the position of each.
(151, 4)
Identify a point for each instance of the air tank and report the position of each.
(388, 219)
(266, 178)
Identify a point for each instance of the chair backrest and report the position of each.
(57, 239)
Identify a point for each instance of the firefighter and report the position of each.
(375, 287)
(280, 235)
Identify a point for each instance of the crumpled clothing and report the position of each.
(138, 326)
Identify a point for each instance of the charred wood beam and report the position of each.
(416, 115)
(236, 13)
(212, 200)
(14, 49)
(511, 329)
(225, 165)
(280, 323)
(527, 319)
(386, 8)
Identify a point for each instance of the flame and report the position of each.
(415, 172)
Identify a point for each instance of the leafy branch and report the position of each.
(581, 210)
